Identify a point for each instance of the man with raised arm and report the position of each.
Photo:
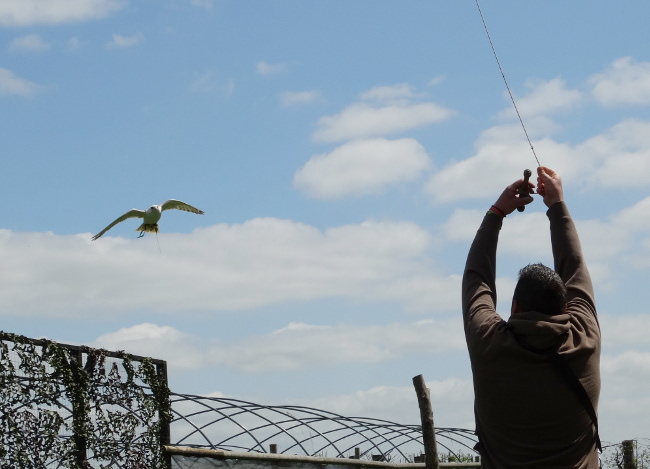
(528, 413)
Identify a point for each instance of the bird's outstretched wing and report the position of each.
(134, 213)
(178, 205)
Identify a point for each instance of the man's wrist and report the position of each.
(496, 211)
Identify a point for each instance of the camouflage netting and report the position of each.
(61, 411)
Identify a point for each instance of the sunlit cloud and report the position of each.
(452, 401)
(299, 98)
(619, 157)
(304, 347)
(362, 167)
(182, 351)
(400, 93)
(119, 41)
(263, 261)
(11, 84)
(625, 82)
(298, 346)
(264, 68)
(383, 110)
(31, 12)
(74, 43)
(545, 98)
(28, 43)
(211, 82)
(362, 120)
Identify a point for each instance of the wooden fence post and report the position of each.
(428, 429)
(627, 447)
(165, 428)
(80, 409)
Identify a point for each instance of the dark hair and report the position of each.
(540, 289)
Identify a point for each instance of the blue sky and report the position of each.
(343, 153)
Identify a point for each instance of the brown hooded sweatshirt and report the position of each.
(526, 415)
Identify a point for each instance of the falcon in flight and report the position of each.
(151, 216)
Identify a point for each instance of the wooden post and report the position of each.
(165, 431)
(273, 448)
(428, 429)
(80, 410)
(627, 448)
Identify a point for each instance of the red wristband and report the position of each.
(497, 210)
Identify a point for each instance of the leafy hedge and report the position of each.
(61, 413)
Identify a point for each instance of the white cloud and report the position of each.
(619, 157)
(383, 110)
(361, 120)
(625, 330)
(180, 350)
(617, 239)
(297, 346)
(400, 93)
(362, 167)
(624, 406)
(436, 81)
(28, 43)
(204, 82)
(30, 12)
(11, 84)
(118, 41)
(301, 346)
(545, 97)
(211, 83)
(261, 262)
(74, 43)
(523, 231)
(626, 81)
(300, 97)
(452, 401)
(501, 154)
(264, 68)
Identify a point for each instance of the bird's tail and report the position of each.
(148, 228)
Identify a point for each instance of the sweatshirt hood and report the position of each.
(540, 330)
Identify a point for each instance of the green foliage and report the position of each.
(57, 413)
(457, 457)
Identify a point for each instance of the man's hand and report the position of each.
(509, 200)
(549, 186)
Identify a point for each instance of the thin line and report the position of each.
(157, 241)
(506, 82)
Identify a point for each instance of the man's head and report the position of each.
(539, 289)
